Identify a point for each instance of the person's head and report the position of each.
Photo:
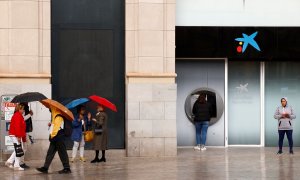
(202, 98)
(283, 101)
(20, 108)
(100, 108)
(81, 109)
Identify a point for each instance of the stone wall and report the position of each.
(25, 38)
(150, 73)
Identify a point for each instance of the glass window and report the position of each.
(282, 79)
(244, 124)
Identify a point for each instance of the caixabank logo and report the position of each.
(245, 41)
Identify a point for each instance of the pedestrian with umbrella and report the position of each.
(57, 135)
(100, 141)
(16, 133)
(23, 99)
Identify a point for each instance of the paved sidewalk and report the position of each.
(215, 163)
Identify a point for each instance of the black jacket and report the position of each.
(202, 112)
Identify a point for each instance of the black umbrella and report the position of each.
(28, 97)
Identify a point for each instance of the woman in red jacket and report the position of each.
(17, 131)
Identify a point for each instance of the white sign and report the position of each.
(8, 141)
(10, 148)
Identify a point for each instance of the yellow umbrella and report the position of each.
(49, 103)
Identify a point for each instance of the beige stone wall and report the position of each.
(25, 55)
(25, 41)
(150, 70)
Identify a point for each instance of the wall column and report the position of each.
(151, 90)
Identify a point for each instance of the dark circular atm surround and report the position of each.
(212, 96)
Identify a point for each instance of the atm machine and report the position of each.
(6, 113)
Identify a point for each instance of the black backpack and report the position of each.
(67, 126)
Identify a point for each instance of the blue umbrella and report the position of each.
(76, 102)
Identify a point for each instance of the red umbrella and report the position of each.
(104, 102)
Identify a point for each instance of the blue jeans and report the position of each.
(201, 131)
(289, 134)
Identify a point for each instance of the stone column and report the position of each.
(25, 59)
(150, 78)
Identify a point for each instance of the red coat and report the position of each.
(17, 125)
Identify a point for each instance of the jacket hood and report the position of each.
(286, 99)
(54, 113)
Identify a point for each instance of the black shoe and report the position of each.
(24, 166)
(95, 160)
(102, 160)
(42, 170)
(279, 152)
(65, 171)
(31, 139)
(291, 152)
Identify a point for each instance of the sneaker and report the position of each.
(19, 168)
(65, 171)
(203, 148)
(291, 152)
(42, 170)
(24, 166)
(8, 164)
(197, 147)
(82, 159)
(279, 152)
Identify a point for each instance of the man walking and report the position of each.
(56, 144)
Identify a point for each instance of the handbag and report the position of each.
(88, 136)
(98, 130)
(19, 150)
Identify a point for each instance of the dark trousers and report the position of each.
(62, 152)
(289, 134)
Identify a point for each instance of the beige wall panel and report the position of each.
(131, 17)
(139, 128)
(151, 64)
(4, 64)
(151, 43)
(170, 16)
(170, 65)
(4, 21)
(151, 16)
(24, 42)
(4, 41)
(46, 16)
(46, 65)
(46, 42)
(130, 43)
(24, 64)
(24, 14)
(170, 42)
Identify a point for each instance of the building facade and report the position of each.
(125, 51)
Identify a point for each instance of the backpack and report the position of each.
(67, 126)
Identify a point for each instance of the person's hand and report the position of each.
(285, 115)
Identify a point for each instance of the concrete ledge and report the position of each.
(11, 75)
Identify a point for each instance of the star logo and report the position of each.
(245, 40)
(242, 88)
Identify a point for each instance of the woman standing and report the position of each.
(202, 111)
(285, 115)
(100, 140)
(17, 131)
(77, 134)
